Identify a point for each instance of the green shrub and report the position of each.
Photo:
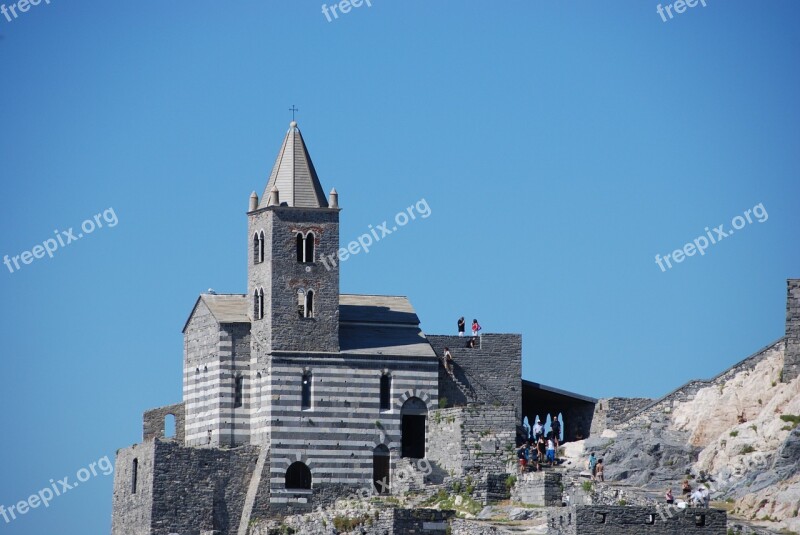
(734, 434)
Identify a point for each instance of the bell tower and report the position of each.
(293, 295)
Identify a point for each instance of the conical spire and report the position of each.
(294, 175)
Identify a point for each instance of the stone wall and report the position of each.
(538, 488)
(154, 420)
(611, 520)
(609, 412)
(657, 410)
(181, 489)
(791, 357)
(133, 511)
(475, 442)
(491, 372)
(386, 521)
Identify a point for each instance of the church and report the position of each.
(295, 394)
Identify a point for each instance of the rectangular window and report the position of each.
(237, 395)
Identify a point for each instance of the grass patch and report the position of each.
(791, 418)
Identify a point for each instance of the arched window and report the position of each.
(309, 248)
(305, 303)
(238, 387)
(386, 391)
(310, 304)
(305, 401)
(256, 248)
(305, 248)
(258, 304)
(300, 247)
(169, 426)
(298, 476)
(261, 246)
(134, 475)
(258, 389)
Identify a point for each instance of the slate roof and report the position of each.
(294, 175)
(368, 324)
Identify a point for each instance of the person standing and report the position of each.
(593, 465)
(475, 327)
(538, 430)
(542, 447)
(551, 451)
(599, 471)
(669, 497)
(556, 427)
(461, 326)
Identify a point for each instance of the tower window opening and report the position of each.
(386, 391)
(258, 304)
(306, 391)
(300, 248)
(305, 248)
(237, 392)
(134, 475)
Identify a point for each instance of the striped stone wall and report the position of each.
(337, 436)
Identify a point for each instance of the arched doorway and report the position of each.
(380, 469)
(414, 413)
(298, 476)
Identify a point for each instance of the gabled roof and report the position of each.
(294, 175)
(226, 308)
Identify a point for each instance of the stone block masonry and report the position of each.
(538, 488)
(162, 487)
(155, 420)
(791, 356)
(491, 371)
(609, 412)
(620, 520)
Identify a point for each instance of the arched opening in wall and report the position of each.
(134, 476)
(169, 426)
(310, 304)
(305, 402)
(261, 246)
(386, 392)
(300, 247)
(381, 463)
(560, 425)
(301, 303)
(257, 248)
(414, 414)
(309, 248)
(298, 476)
(258, 390)
(238, 392)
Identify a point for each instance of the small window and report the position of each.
(386, 391)
(134, 475)
(258, 304)
(309, 248)
(306, 391)
(651, 519)
(261, 246)
(301, 303)
(300, 248)
(310, 304)
(256, 248)
(699, 520)
(169, 426)
(600, 518)
(237, 394)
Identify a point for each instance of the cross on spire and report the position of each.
(293, 110)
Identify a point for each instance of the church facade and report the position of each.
(295, 394)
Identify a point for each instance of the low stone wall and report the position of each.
(390, 521)
(610, 520)
(460, 526)
(609, 412)
(538, 488)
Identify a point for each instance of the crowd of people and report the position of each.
(539, 449)
(699, 497)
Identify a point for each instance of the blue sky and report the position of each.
(559, 146)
